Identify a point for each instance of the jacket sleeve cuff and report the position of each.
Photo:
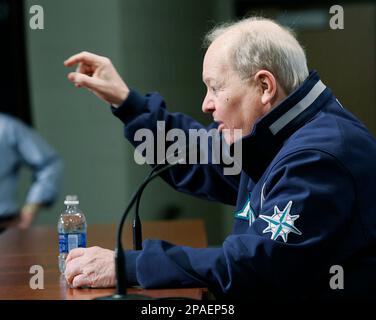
(134, 105)
(130, 267)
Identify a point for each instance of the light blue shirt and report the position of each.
(20, 145)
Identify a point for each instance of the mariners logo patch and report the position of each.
(246, 213)
(281, 223)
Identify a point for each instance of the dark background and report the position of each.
(14, 92)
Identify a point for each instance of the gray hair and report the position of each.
(270, 47)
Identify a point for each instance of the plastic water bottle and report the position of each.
(71, 228)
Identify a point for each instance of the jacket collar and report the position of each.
(270, 132)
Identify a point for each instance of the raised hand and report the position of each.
(97, 74)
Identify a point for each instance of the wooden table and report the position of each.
(20, 250)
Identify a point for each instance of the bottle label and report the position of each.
(69, 241)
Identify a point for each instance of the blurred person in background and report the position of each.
(21, 146)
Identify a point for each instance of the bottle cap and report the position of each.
(71, 199)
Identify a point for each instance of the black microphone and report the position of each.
(136, 226)
(121, 283)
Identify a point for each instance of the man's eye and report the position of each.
(214, 89)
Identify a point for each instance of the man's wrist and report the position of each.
(132, 107)
(122, 97)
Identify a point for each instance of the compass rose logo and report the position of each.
(281, 223)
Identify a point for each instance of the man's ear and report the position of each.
(268, 86)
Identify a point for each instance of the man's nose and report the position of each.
(208, 106)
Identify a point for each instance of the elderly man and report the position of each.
(304, 198)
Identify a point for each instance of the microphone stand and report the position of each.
(120, 264)
(121, 285)
(136, 226)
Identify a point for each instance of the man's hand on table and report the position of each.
(90, 267)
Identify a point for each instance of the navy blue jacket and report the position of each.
(304, 203)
